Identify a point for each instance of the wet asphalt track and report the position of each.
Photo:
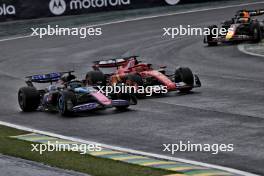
(229, 108)
(10, 166)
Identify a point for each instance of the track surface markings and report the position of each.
(181, 165)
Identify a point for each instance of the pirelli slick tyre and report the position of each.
(184, 74)
(256, 33)
(66, 102)
(210, 38)
(135, 80)
(28, 99)
(95, 78)
(123, 97)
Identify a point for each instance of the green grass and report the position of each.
(71, 160)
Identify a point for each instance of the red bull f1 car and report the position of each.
(243, 27)
(67, 95)
(131, 71)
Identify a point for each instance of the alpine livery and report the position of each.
(67, 96)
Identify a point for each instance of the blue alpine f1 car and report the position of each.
(67, 95)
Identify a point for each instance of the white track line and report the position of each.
(15, 38)
(243, 50)
(149, 17)
(127, 150)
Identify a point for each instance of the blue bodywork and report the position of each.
(52, 97)
(84, 90)
(85, 107)
(45, 78)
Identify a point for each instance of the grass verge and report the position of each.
(71, 160)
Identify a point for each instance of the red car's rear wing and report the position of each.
(257, 12)
(112, 62)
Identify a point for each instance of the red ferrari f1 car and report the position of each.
(131, 71)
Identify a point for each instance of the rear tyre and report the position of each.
(184, 74)
(210, 38)
(135, 80)
(28, 99)
(66, 102)
(256, 33)
(95, 78)
(123, 97)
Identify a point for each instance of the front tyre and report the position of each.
(128, 98)
(123, 97)
(28, 99)
(135, 81)
(211, 37)
(184, 74)
(66, 102)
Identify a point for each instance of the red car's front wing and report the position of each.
(171, 86)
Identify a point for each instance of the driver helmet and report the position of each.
(67, 77)
(52, 88)
(244, 16)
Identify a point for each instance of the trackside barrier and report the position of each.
(28, 9)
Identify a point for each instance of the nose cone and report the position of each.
(102, 98)
(230, 33)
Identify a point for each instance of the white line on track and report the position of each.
(15, 38)
(243, 50)
(127, 150)
(149, 17)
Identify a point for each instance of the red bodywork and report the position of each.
(132, 66)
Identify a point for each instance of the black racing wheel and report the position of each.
(135, 80)
(28, 98)
(123, 97)
(184, 74)
(256, 32)
(211, 37)
(67, 100)
(95, 78)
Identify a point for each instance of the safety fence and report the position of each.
(28, 9)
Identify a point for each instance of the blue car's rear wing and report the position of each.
(47, 78)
